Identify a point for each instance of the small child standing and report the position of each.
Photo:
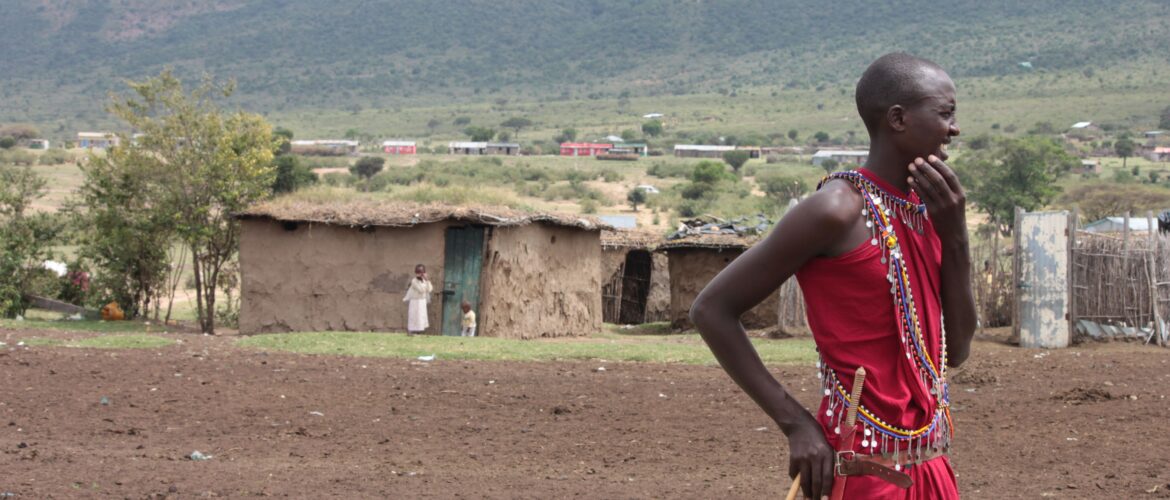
(468, 320)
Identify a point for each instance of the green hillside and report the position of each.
(62, 57)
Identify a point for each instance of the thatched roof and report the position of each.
(364, 213)
(630, 238)
(714, 241)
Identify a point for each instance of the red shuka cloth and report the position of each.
(851, 314)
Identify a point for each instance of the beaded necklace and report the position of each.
(880, 207)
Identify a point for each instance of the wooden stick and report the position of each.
(794, 488)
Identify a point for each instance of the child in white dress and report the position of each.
(418, 295)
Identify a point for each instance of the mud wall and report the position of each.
(691, 269)
(541, 281)
(658, 302)
(320, 277)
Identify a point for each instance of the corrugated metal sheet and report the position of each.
(1043, 288)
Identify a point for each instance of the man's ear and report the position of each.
(896, 118)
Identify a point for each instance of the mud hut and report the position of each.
(694, 262)
(309, 266)
(635, 280)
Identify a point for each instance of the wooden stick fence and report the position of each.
(1122, 279)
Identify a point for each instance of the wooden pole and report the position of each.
(1071, 231)
(1017, 286)
(1152, 274)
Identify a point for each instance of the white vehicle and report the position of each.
(647, 188)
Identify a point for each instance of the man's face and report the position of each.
(931, 120)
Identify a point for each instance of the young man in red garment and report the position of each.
(881, 255)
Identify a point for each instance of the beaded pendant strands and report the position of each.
(880, 207)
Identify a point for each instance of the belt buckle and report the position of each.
(843, 456)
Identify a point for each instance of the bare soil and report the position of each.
(1084, 422)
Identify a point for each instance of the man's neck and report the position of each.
(889, 164)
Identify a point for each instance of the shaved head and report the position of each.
(892, 79)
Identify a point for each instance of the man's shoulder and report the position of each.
(837, 204)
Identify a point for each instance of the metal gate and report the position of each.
(1042, 279)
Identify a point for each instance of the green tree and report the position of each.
(821, 137)
(203, 165)
(710, 172)
(636, 197)
(830, 165)
(1124, 148)
(7, 142)
(125, 233)
(480, 134)
(283, 137)
(1013, 173)
(367, 167)
(629, 135)
(793, 134)
(433, 124)
(1164, 120)
(652, 128)
(736, 158)
(461, 121)
(567, 135)
(516, 123)
(25, 238)
(291, 174)
(782, 188)
(1106, 199)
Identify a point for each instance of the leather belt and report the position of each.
(849, 463)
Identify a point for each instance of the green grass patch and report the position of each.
(609, 346)
(104, 342)
(80, 326)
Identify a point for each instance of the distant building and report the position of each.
(700, 150)
(753, 152)
(584, 148)
(399, 147)
(841, 156)
(325, 147)
(38, 144)
(96, 140)
(1088, 167)
(635, 148)
(1159, 154)
(483, 148)
(1117, 225)
(782, 150)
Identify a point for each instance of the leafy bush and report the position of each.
(337, 179)
(25, 239)
(291, 175)
(55, 156)
(664, 170)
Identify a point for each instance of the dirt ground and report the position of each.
(1085, 422)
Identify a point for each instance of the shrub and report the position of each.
(663, 170)
(55, 156)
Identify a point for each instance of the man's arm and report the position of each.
(814, 227)
(946, 203)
